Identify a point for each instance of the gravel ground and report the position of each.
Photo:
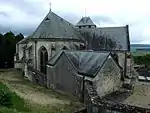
(29, 92)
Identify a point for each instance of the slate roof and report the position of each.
(85, 62)
(85, 21)
(118, 34)
(22, 41)
(54, 26)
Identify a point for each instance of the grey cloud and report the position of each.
(26, 31)
(5, 14)
(34, 10)
(25, 6)
(102, 18)
(72, 18)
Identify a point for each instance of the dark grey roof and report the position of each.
(85, 62)
(54, 26)
(118, 34)
(85, 21)
(23, 41)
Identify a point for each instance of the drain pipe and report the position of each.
(35, 55)
(125, 65)
(83, 87)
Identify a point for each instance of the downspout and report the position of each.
(128, 49)
(35, 55)
(83, 87)
(125, 64)
(17, 48)
(128, 38)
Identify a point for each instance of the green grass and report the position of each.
(18, 103)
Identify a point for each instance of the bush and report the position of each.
(10, 99)
(7, 110)
(5, 98)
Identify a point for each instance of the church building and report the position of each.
(55, 34)
(80, 48)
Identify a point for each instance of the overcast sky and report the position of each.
(25, 15)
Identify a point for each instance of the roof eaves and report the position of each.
(23, 41)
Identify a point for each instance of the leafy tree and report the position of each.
(8, 48)
(142, 60)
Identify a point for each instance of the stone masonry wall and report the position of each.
(109, 78)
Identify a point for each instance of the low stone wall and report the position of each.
(38, 77)
(113, 107)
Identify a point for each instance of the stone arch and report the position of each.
(43, 58)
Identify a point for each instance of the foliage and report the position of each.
(8, 48)
(11, 100)
(142, 60)
(7, 110)
(5, 98)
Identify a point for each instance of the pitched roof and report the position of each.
(85, 62)
(85, 21)
(118, 34)
(54, 26)
(22, 41)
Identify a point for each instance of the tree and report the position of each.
(142, 60)
(8, 48)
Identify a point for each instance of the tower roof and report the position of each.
(85, 21)
(53, 26)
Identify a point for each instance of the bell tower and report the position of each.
(85, 22)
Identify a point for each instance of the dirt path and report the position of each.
(30, 92)
(141, 95)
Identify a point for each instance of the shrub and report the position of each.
(5, 98)
(7, 110)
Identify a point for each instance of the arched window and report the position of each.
(43, 54)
